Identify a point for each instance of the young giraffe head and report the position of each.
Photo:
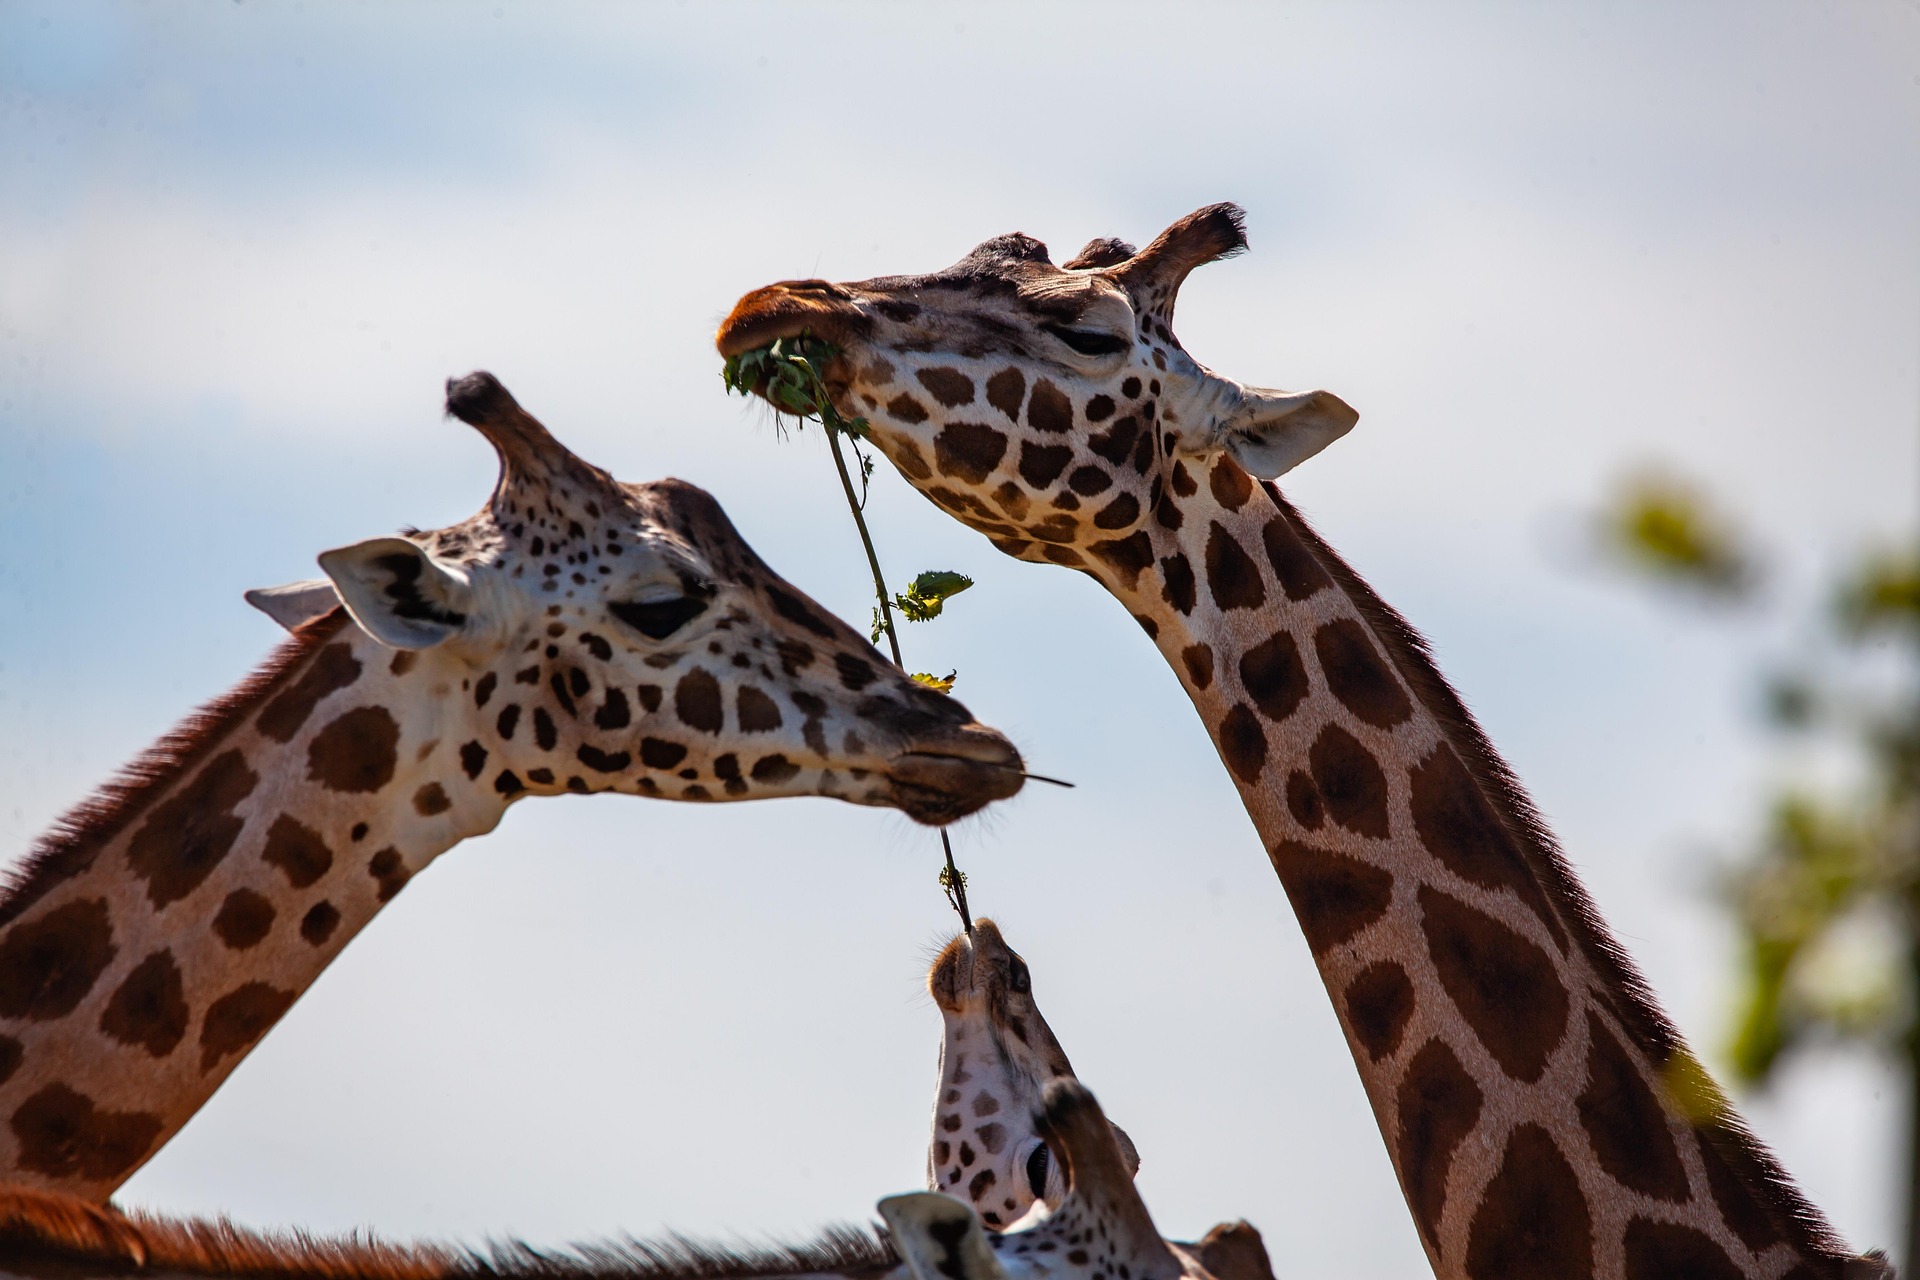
(1100, 1231)
(996, 1058)
(623, 637)
(1051, 408)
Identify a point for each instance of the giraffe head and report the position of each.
(996, 1058)
(624, 637)
(1049, 407)
(1100, 1229)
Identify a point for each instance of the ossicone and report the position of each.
(1154, 274)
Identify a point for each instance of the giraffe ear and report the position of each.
(294, 604)
(939, 1238)
(403, 597)
(1274, 432)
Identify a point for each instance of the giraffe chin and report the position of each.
(934, 789)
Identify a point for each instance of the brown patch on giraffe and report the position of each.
(969, 451)
(1182, 481)
(1178, 588)
(855, 673)
(149, 1007)
(950, 387)
(1294, 567)
(755, 711)
(1624, 1122)
(1379, 1007)
(1303, 801)
(1041, 464)
(1231, 486)
(1048, 409)
(332, 669)
(1058, 529)
(1198, 660)
(238, 1018)
(389, 873)
(63, 1134)
(1099, 408)
(12, 1053)
(615, 711)
(402, 662)
(1127, 556)
(1123, 512)
(1005, 390)
(696, 700)
(1350, 781)
(905, 408)
(355, 753)
(48, 965)
(773, 769)
(508, 721)
(796, 610)
(1359, 676)
(431, 799)
(473, 758)
(1743, 1214)
(189, 833)
(1013, 500)
(297, 850)
(243, 920)
(1062, 555)
(1089, 480)
(602, 761)
(319, 923)
(1232, 576)
(1334, 896)
(1669, 1251)
(907, 456)
(1274, 677)
(1458, 828)
(1504, 986)
(1532, 1220)
(1437, 1105)
(981, 1183)
(658, 753)
(1243, 743)
(1117, 441)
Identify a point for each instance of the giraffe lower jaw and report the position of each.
(935, 788)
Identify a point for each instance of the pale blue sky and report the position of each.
(241, 246)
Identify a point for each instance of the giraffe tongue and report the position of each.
(937, 789)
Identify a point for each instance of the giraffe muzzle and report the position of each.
(789, 309)
(938, 784)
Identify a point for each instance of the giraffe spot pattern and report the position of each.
(950, 387)
(755, 711)
(1048, 409)
(696, 700)
(431, 799)
(1123, 512)
(190, 832)
(298, 851)
(243, 920)
(1117, 441)
(1012, 499)
(773, 769)
(1243, 743)
(795, 610)
(1005, 390)
(332, 669)
(1232, 576)
(1453, 821)
(1359, 676)
(1089, 480)
(1041, 464)
(1231, 486)
(149, 1007)
(1274, 677)
(49, 964)
(1303, 801)
(904, 408)
(1743, 1214)
(238, 1018)
(545, 734)
(968, 451)
(602, 761)
(1334, 896)
(1379, 1006)
(1624, 1121)
(1504, 986)
(855, 673)
(1350, 781)
(1669, 1251)
(1198, 660)
(615, 711)
(658, 753)
(62, 1134)
(473, 758)
(1532, 1221)
(509, 721)
(12, 1052)
(1294, 567)
(355, 753)
(1437, 1105)
(909, 458)
(1127, 556)
(1178, 587)
(389, 872)
(318, 924)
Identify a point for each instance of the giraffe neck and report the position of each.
(158, 933)
(1543, 1116)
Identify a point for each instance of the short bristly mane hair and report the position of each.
(70, 844)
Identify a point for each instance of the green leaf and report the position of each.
(939, 684)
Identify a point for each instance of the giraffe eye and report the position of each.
(1090, 342)
(1037, 1171)
(1018, 976)
(658, 619)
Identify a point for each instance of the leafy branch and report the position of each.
(787, 373)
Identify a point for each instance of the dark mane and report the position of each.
(71, 843)
(63, 1236)
(1726, 1134)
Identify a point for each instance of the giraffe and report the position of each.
(997, 1054)
(1543, 1115)
(55, 1236)
(578, 635)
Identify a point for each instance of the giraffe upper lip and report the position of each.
(939, 783)
(788, 309)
